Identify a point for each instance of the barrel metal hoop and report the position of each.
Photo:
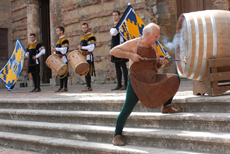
(197, 46)
(214, 34)
(205, 47)
(189, 50)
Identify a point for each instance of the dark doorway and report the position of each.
(185, 6)
(3, 45)
(45, 33)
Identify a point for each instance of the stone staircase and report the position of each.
(86, 125)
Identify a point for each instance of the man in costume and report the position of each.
(62, 47)
(119, 62)
(144, 83)
(87, 46)
(34, 51)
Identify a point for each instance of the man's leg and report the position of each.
(167, 108)
(37, 82)
(119, 75)
(34, 81)
(61, 85)
(88, 78)
(125, 74)
(66, 82)
(130, 103)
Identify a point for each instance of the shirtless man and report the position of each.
(144, 83)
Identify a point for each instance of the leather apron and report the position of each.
(152, 89)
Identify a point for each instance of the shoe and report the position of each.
(33, 90)
(117, 141)
(63, 90)
(123, 87)
(87, 89)
(116, 88)
(169, 109)
(38, 90)
(59, 90)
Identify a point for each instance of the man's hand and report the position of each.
(164, 61)
(135, 57)
(53, 49)
(83, 53)
(34, 57)
(79, 47)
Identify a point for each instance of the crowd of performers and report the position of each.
(143, 83)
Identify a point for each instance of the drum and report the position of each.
(78, 62)
(55, 63)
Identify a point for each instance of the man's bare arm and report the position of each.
(126, 50)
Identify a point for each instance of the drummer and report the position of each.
(61, 49)
(144, 83)
(87, 46)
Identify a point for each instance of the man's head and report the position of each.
(116, 15)
(60, 31)
(85, 27)
(32, 37)
(151, 32)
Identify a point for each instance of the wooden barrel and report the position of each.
(200, 36)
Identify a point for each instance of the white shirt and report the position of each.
(90, 48)
(114, 32)
(63, 50)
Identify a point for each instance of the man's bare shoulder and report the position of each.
(133, 40)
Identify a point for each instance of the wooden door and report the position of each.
(185, 6)
(3, 44)
(45, 39)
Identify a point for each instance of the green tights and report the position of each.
(130, 103)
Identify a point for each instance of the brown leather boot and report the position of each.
(87, 89)
(169, 109)
(117, 141)
(116, 88)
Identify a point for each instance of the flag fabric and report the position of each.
(162, 51)
(131, 26)
(10, 72)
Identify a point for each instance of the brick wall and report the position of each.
(98, 14)
(5, 23)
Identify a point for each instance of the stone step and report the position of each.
(200, 141)
(183, 121)
(4, 150)
(203, 104)
(48, 145)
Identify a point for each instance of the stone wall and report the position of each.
(98, 14)
(5, 23)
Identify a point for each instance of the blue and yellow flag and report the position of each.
(162, 51)
(131, 26)
(13, 67)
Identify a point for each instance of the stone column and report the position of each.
(33, 18)
(55, 20)
(33, 26)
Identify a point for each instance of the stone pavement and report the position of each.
(99, 90)
(75, 91)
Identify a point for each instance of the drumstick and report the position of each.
(144, 58)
